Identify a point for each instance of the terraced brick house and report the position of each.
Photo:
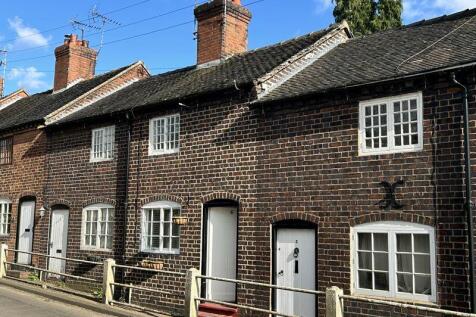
(23, 145)
(325, 160)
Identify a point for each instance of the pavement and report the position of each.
(18, 303)
(19, 299)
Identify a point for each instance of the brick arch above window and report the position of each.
(99, 200)
(392, 216)
(297, 215)
(220, 195)
(60, 202)
(162, 197)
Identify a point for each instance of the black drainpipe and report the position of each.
(468, 202)
(126, 197)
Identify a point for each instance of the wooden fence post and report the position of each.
(107, 279)
(334, 303)
(192, 291)
(3, 260)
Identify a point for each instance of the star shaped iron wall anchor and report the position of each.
(390, 201)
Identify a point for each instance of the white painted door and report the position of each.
(295, 267)
(221, 252)
(25, 231)
(58, 240)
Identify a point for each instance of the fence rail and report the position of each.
(335, 298)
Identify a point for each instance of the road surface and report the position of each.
(16, 303)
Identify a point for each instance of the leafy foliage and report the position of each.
(367, 16)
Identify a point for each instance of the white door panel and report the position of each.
(58, 240)
(295, 269)
(221, 252)
(25, 231)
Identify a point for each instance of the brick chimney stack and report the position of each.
(74, 60)
(222, 29)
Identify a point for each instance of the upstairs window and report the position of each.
(391, 125)
(96, 228)
(5, 214)
(395, 259)
(6, 151)
(159, 233)
(164, 135)
(102, 145)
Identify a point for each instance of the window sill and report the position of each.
(393, 151)
(161, 252)
(100, 160)
(398, 300)
(156, 153)
(82, 248)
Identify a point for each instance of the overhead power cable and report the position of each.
(129, 37)
(116, 28)
(68, 25)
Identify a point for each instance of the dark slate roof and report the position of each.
(420, 47)
(243, 68)
(33, 109)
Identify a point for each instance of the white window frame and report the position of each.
(154, 206)
(166, 141)
(99, 146)
(391, 147)
(5, 216)
(392, 228)
(109, 224)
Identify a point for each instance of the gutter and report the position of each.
(468, 202)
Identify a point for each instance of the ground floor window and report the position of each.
(5, 210)
(97, 225)
(395, 259)
(159, 233)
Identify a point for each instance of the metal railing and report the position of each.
(39, 269)
(407, 305)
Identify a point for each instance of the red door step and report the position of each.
(215, 310)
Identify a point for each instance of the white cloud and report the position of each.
(414, 10)
(29, 78)
(26, 36)
(321, 5)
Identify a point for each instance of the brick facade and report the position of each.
(296, 160)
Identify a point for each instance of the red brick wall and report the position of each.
(25, 178)
(294, 160)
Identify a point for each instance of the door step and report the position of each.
(215, 310)
(18, 274)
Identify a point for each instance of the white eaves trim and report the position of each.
(68, 109)
(285, 71)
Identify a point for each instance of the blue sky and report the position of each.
(31, 63)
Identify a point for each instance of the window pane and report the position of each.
(365, 260)
(175, 230)
(405, 283)
(423, 284)
(404, 242)
(109, 242)
(422, 264)
(175, 243)
(166, 245)
(167, 215)
(381, 281)
(380, 242)
(381, 261)
(422, 243)
(155, 242)
(365, 279)
(365, 241)
(156, 228)
(166, 229)
(404, 263)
